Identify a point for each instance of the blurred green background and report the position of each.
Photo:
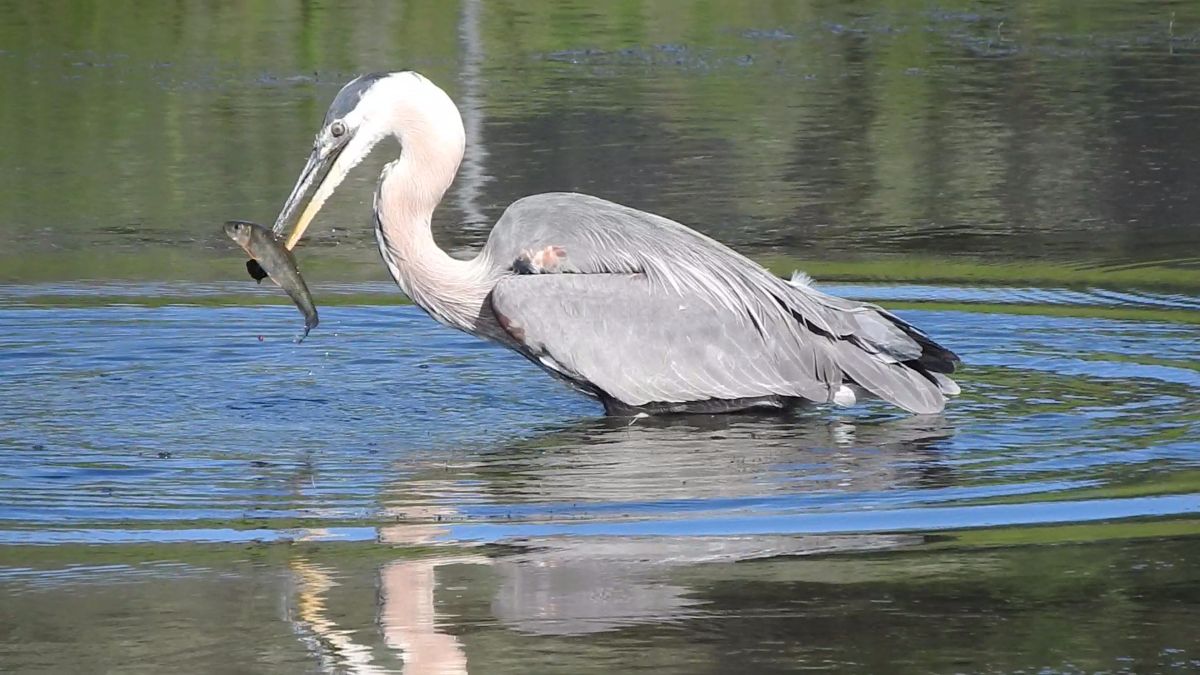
(1041, 142)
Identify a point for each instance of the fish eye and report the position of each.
(338, 129)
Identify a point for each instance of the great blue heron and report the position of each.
(639, 311)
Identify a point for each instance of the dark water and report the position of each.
(181, 485)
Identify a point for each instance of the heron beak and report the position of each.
(316, 183)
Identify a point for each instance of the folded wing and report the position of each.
(648, 311)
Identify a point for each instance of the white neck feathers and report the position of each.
(432, 139)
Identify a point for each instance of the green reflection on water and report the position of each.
(1098, 597)
(881, 141)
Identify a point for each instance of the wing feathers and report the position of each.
(651, 311)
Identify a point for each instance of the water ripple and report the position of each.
(179, 423)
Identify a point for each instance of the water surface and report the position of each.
(183, 485)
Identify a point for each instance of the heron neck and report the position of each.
(450, 290)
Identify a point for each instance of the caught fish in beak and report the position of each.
(271, 258)
(352, 127)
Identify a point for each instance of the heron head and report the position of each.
(358, 119)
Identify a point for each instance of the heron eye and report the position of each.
(338, 129)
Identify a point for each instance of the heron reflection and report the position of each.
(574, 585)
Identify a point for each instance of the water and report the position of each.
(182, 485)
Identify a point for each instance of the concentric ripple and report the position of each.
(199, 423)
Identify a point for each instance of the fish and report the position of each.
(270, 258)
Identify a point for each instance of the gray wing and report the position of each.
(651, 311)
(641, 344)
